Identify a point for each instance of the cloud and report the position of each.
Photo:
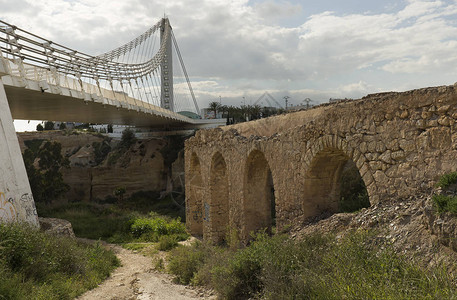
(274, 10)
(234, 48)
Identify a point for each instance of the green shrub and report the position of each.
(447, 179)
(143, 226)
(150, 229)
(357, 266)
(167, 242)
(185, 261)
(48, 267)
(445, 203)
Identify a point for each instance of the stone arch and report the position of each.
(194, 199)
(325, 162)
(217, 211)
(258, 204)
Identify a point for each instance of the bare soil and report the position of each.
(137, 279)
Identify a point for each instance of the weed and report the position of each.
(445, 203)
(357, 266)
(135, 246)
(159, 265)
(48, 267)
(447, 179)
(185, 261)
(167, 242)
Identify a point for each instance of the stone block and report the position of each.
(376, 165)
(363, 147)
(386, 157)
(443, 109)
(407, 145)
(57, 227)
(371, 147)
(439, 138)
(398, 155)
(404, 114)
(445, 121)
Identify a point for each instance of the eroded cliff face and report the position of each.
(139, 168)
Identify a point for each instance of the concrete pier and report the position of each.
(16, 199)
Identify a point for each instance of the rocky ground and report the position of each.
(411, 226)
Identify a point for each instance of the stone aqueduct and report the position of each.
(400, 142)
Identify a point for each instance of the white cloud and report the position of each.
(237, 49)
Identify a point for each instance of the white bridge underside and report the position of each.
(33, 103)
(30, 104)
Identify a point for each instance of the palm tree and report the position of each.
(215, 107)
(255, 112)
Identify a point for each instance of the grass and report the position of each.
(90, 220)
(35, 265)
(357, 266)
(119, 223)
(113, 222)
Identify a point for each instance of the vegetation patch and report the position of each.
(154, 227)
(447, 200)
(115, 223)
(447, 179)
(46, 181)
(357, 266)
(168, 242)
(38, 265)
(101, 150)
(444, 203)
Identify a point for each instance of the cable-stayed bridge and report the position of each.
(135, 84)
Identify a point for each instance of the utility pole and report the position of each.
(286, 98)
(307, 100)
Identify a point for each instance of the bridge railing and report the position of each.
(105, 78)
(86, 91)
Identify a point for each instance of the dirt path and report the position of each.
(137, 279)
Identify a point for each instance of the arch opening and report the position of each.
(218, 213)
(259, 200)
(194, 202)
(333, 184)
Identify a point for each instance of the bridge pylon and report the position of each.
(166, 100)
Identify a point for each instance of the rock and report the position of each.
(56, 226)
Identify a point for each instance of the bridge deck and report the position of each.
(69, 105)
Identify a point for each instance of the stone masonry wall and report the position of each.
(400, 142)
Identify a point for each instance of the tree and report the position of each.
(214, 106)
(128, 139)
(101, 150)
(110, 128)
(39, 127)
(48, 125)
(47, 181)
(62, 126)
(119, 193)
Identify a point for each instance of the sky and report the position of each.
(242, 48)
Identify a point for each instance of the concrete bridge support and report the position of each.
(16, 200)
(290, 166)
